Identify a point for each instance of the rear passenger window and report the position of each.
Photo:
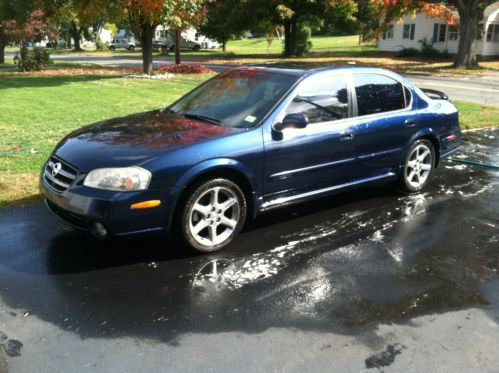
(321, 99)
(378, 93)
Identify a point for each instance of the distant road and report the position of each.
(479, 89)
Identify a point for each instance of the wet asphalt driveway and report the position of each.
(369, 279)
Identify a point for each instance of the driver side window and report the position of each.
(321, 99)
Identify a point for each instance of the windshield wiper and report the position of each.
(327, 110)
(202, 117)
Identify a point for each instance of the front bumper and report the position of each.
(82, 207)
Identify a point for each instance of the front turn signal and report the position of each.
(146, 204)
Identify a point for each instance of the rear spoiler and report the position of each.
(434, 94)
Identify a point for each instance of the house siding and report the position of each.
(424, 29)
(489, 48)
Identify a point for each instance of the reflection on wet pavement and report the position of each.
(350, 261)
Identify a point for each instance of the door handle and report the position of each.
(347, 136)
(410, 122)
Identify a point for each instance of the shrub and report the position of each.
(99, 44)
(409, 52)
(427, 49)
(185, 69)
(30, 60)
(303, 44)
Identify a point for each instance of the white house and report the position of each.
(409, 30)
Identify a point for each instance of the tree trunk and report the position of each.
(177, 47)
(294, 31)
(224, 46)
(287, 39)
(146, 35)
(76, 33)
(469, 19)
(2, 48)
(68, 38)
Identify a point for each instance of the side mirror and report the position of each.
(292, 121)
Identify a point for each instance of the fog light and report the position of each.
(100, 230)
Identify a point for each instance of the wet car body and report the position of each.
(274, 167)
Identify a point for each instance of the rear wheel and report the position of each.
(131, 48)
(213, 215)
(111, 48)
(418, 166)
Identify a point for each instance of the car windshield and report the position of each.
(237, 98)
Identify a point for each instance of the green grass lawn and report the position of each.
(473, 115)
(37, 111)
(257, 46)
(319, 43)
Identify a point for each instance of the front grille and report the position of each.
(58, 174)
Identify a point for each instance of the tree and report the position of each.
(13, 16)
(293, 15)
(144, 16)
(187, 13)
(21, 22)
(222, 20)
(367, 18)
(471, 14)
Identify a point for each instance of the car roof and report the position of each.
(310, 68)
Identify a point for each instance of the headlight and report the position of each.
(124, 179)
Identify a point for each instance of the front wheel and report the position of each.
(418, 166)
(131, 48)
(213, 215)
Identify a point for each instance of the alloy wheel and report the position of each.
(419, 165)
(214, 216)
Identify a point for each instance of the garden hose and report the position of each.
(476, 163)
(14, 152)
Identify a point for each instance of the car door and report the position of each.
(385, 122)
(298, 161)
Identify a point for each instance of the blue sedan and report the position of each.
(246, 141)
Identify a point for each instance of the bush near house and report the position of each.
(427, 51)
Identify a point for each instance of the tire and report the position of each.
(196, 48)
(208, 221)
(172, 48)
(131, 48)
(111, 48)
(418, 167)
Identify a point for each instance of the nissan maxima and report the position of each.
(247, 141)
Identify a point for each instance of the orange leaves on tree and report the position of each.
(439, 11)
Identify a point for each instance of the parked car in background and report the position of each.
(247, 141)
(121, 43)
(185, 43)
(159, 44)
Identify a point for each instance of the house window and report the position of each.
(439, 30)
(388, 33)
(490, 32)
(493, 33)
(409, 31)
(453, 33)
(441, 35)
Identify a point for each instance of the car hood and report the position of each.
(134, 139)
